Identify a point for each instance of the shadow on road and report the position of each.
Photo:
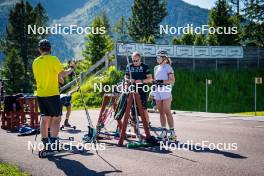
(196, 148)
(184, 146)
(72, 131)
(154, 149)
(74, 167)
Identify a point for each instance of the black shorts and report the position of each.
(50, 106)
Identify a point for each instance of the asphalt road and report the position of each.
(240, 150)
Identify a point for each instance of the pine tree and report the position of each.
(236, 6)
(211, 40)
(188, 39)
(121, 30)
(220, 16)
(97, 45)
(150, 40)
(176, 41)
(17, 36)
(199, 40)
(253, 32)
(145, 19)
(1, 45)
(106, 23)
(14, 72)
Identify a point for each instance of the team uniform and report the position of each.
(46, 69)
(139, 73)
(162, 72)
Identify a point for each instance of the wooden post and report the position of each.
(36, 113)
(216, 64)
(125, 121)
(105, 99)
(142, 115)
(238, 63)
(258, 58)
(193, 64)
(107, 60)
(22, 111)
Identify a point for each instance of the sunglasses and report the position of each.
(134, 61)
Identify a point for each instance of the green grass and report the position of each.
(11, 170)
(81, 108)
(259, 113)
(231, 91)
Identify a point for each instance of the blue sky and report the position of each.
(202, 3)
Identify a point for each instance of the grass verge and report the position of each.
(11, 170)
(259, 113)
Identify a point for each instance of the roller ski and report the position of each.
(108, 135)
(67, 125)
(71, 138)
(49, 153)
(46, 153)
(51, 147)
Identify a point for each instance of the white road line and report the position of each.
(227, 122)
(201, 120)
(259, 126)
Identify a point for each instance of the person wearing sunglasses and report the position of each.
(164, 79)
(140, 76)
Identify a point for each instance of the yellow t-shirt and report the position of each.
(46, 69)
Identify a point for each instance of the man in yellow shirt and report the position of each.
(47, 69)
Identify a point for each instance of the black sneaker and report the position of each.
(66, 123)
(46, 143)
(54, 144)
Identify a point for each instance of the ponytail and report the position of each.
(168, 61)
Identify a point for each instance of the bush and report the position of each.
(94, 99)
